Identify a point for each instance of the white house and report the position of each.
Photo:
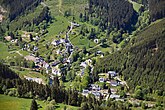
(56, 42)
(112, 73)
(101, 79)
(96, 41)
(113, 91)
(114, 96)
(62, 40)
(46, 65)
(83, 64)
(96, 94)
(114, 83)
(89, 61)
(58, 51)
(95, 87)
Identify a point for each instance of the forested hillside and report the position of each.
(157, 9)
(144, 2)
(16, 7)
(142, 61)
(5, 72)
(119, 13)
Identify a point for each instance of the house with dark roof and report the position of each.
(85, 92)
(96, 94)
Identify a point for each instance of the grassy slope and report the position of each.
(136, 5)
(3, 50)
(14, 103)
(27, 17)
(57, 9)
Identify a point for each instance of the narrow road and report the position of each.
(124, 82)
(16, 52)
(19, 53)
(43, 4)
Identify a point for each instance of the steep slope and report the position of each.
(6, 73)
(119, 13)
(142, 61)
(157, 9)
(16, 7)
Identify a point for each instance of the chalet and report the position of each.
(68, 47)
(112, 73)
(58, 51)
(62, 41)
(85, 92)
(89, 61)
(46, 65)
(68, 60)
(64, 60)
(114, 83)
(35, 48)
(96, 94)
(56, 42)
(55, 63)
(37, 68)
(114, 96)
(14, 41)
(120, 99)
(102, 55)
(113, 91)
(96, 41)
(98, 52)
(37, 61)
(82, 71)
(28, 45)
(56, 72)
(95, 87)
(36, 38)
(101, 79)
(75, 24)
(83, 64)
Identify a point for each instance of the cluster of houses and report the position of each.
(99, 92)
(27, 48)
(53, 67)
(40, 64)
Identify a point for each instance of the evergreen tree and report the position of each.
(34, 105)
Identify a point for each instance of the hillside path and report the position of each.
(59, 6)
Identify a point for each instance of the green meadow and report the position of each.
(14, 103)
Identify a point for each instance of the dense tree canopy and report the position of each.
(142, 61)
(16, 7)
(157, 9)
(119, 13)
